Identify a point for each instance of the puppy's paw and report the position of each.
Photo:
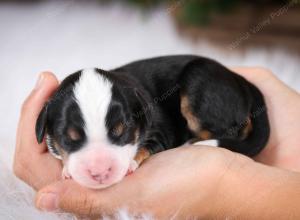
(65, 174)
(132, 167)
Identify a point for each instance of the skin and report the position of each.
(209, 183)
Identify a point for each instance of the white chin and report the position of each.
(83, 181)
(94, 185)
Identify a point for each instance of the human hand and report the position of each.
(69, 196)
(283, 104)
(177, 183)
(37, 167)
(32, 162)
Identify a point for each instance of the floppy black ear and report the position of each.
(40, 126)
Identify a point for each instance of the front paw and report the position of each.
(65, 174)
(132, 167)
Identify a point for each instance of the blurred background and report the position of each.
(66, 35)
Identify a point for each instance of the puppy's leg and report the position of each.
(193, 121)
(218, 104)
(139, 158)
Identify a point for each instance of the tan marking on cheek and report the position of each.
(119, 129)
(142, 155)
(61, 151)
(73, 134)
(192, 121)
(247, 129)
(205, 135)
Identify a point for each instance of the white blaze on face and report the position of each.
(98, 163)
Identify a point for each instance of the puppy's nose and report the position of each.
(100, 175)
(99, 166)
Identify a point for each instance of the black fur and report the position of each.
(60, 113)
(146, 97)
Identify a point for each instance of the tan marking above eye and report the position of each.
(73, 134)
(119, 129)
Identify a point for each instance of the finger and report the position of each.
(47, 163)
(70, 197)
(266, 81)
(256, 75)
(45, 86)
(29, 165)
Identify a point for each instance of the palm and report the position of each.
(177, 172)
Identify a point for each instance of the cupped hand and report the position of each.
(174, 184)
(181, 172)
(32, 162)
(283, 105)
(178, 181)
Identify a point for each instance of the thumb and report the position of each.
(67, 195)
(45, 86)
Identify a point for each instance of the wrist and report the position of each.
(229, 189)
(251, 190)
(214, 200)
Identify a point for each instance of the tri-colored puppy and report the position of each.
(103, 124)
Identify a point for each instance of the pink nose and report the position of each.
(99, 167)
(100, 175)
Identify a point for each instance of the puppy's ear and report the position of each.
(40, 126)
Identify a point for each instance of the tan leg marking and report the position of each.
(192, 121)
(139, 158)
(205, 135)
(142, 155)
(247, 129)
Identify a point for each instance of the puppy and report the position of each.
(104, 124)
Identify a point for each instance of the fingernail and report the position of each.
(39, 82)
(48, 202)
